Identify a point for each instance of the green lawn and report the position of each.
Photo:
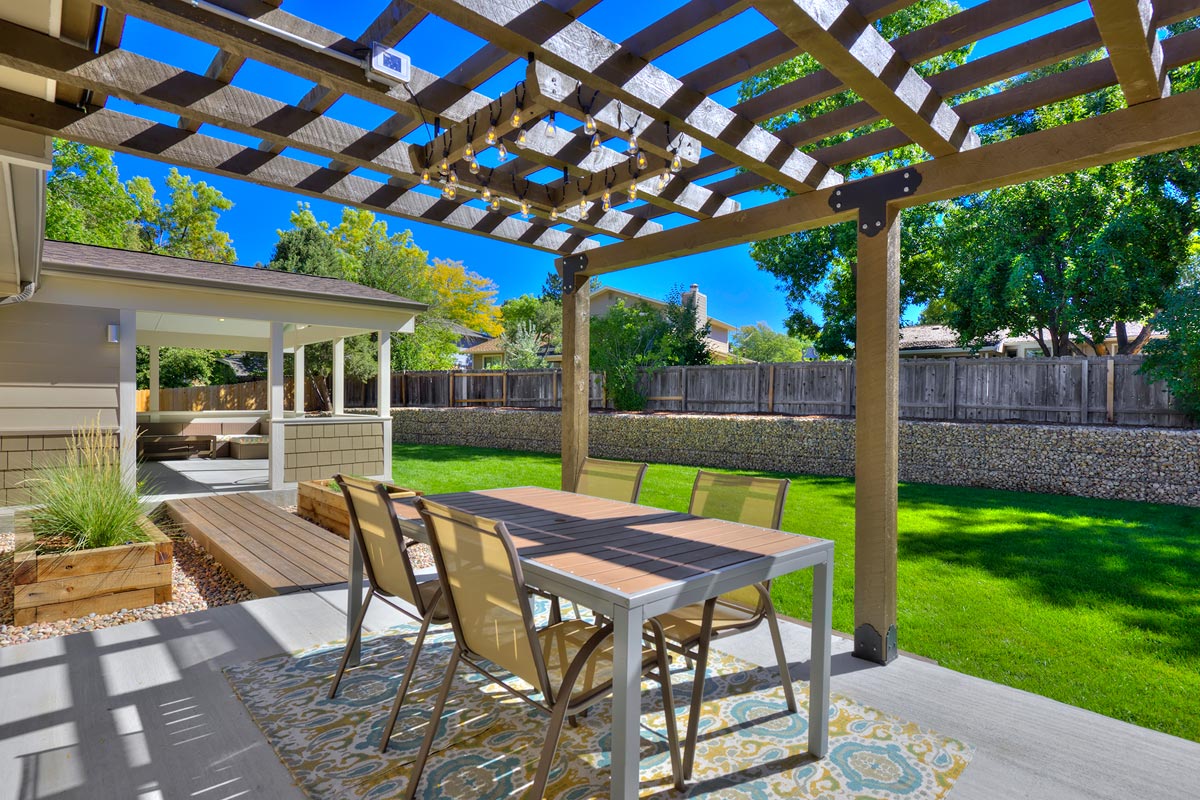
(1092, 602)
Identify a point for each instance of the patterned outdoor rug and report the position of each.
(749, 745)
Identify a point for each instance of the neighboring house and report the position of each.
(941, 341)
(606, 297)
(489, 354)
(67, 357)
(467, 339)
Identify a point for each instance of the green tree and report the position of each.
(179, 366)
(431, 345)
(684, 342)
(817, 267)
(186, 225)
(1176, 358)
(623, 341)
(523, 347)
(85, 199)
(543, 316)
(762, 344)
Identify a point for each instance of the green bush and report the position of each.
(1176, 359)
(83, 503)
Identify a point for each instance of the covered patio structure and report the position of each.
(664, 180)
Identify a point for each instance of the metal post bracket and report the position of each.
(871, 195)
(569, 267)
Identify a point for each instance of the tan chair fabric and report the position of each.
(383, 545)
(612, 480)
(560, 644)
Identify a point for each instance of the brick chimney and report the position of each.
(698, 301)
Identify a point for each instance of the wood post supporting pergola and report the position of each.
(338, 389)
(876, 440)
(275, 406)
(155, 379)
(298, 380)
(576, 376)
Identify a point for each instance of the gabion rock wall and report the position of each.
(1153, 464)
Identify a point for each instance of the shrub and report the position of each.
(1176, 359)
(83, 503)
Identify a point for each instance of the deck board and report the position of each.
(269, 550)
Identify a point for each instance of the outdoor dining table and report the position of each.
(631, 562)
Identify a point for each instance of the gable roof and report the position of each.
(641, 298)
(109, 261)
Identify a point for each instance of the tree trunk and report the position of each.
(1135, 346)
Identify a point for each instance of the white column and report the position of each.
(275, 406)
(298, 378)
(383, 396)
(127, 395)
(339, 376)
(155, 380)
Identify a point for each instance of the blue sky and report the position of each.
(738, 292)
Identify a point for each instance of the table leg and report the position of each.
(822, 632)
(354, 600)
(627, 702)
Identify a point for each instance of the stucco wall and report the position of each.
(1123, 463)
(314, 451)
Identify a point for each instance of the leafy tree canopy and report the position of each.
(542, 316)
(760, 343)
(186, 225)
(523, 347)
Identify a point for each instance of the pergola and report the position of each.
(692, 159)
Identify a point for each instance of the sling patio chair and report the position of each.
(691, 629)
(612, 480)
(569, 663)
(390, 576)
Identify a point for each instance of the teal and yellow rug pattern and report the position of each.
(749, 745)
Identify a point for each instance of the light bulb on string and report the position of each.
(495, 204)
(444, 165)
(589, 124)
(633, 143)
(662, 181)
(551, 128)
(424, 177)
(469, 151)
(486, 194)
(453, 180)
(473, 165)
(554, 214)
(522, 139)
(676, 162)
(524, 209)
(516, 118)
(640, 159)
(583, 204)
(596, 142)
(501, 153)
(449, 192)
(606, 200)
(490, 137)
(633, 190)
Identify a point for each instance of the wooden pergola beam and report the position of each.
(586, 55)
(1155, 127)
(127, 134)
(1131, 38)
(850, 48)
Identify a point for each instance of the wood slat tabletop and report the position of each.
(625, 547)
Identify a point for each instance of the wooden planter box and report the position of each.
(326, 507)
(49, 587)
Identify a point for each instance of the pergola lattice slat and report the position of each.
(1131, 37)
(128, 134)
(585, 55)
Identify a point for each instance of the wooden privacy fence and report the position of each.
(1057, 390)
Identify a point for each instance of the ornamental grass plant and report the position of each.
(83, 503)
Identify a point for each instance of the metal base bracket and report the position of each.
(870, 646)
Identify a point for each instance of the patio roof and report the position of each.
(692, 158)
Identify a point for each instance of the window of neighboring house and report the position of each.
(491, 361)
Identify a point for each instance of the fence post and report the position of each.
(952, 392)
(850, 378)
(1083, 391)
(1110, 392)
(450, 382)
(771, 390)
(683, 391)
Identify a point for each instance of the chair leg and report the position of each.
(693, 726)
(668, 693)
(784, 675)
(435, 719)
(362, 614)
(542, 777)
(405, 681)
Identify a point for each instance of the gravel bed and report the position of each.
(198, 583)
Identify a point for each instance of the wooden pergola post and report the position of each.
(155, 380)
(338, 390)
(298, 379)
(876, 443)
(576, 376)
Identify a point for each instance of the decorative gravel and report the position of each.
(198, 582)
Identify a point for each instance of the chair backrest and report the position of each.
(613, 480)
(485, 590)
(374, 525)
(740, 498)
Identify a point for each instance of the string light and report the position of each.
(676, 162)
(589, 124)
(583, 204)
(516, 117)
(486, 194)
(596, 142)
(554, 214)
(473, 165)
(606, 199)
(495, 204)
(551, 128)
(641, 159)
(633, 143)
(469, 151)
(662, 181)
(633, 190)
(424, 177)
(490, 137)
(522, 139)
(449, 192)
(501, 153)
(524, 208)
(453, 179)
